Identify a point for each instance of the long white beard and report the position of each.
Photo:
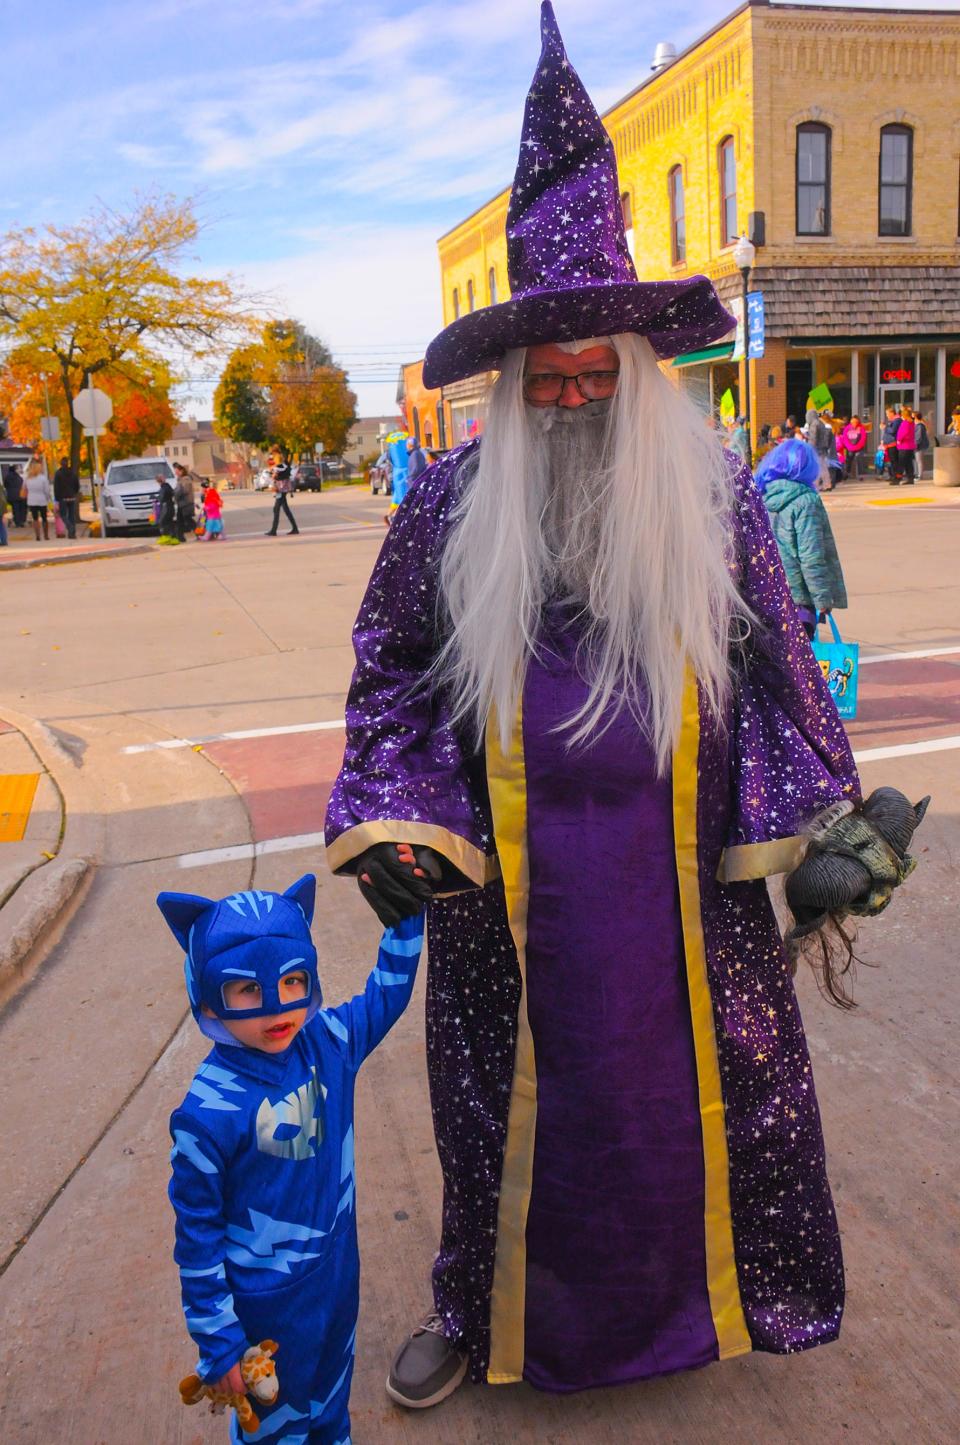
(572, 448)
(624, 509)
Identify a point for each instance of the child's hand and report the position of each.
(232, 1382)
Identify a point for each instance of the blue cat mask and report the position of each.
(251, 935)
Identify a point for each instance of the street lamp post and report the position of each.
(744, 255)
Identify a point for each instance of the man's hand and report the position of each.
(232, 1382)
(398, 880)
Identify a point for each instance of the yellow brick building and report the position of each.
(832, 136)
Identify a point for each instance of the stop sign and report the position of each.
(92, 409)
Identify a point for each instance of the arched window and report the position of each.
(492, 285)
(416, 425)
(896, 180)
(678, 219)
(626, 206)
(456, 303)
(727, 162)
(441, 425)
(813, 179)
(469, 295)
(428, 436)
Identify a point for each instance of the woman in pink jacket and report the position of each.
(854, 439)
(907, 444)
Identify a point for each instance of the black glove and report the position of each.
(398, 880)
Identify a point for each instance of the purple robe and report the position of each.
(634, 1173)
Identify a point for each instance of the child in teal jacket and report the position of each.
(787, 479)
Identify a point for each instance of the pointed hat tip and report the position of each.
(548, 21)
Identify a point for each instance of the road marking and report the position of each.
(297, 841)
(904, 750)
(908, 656)
(239, 851)
(901, 502)
(291, 729)
(17, 792)
(240, 736)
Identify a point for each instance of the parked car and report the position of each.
(129, 491)
(335, 467)
(307, 477)
(379, 478)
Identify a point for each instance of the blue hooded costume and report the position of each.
(263, 1172)
(787, 480)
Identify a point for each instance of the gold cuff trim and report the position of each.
(480, 868)
(746, 861)
(508, 799)
(722, 1283)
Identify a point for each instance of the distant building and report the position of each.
(827, 135)
(427, 416)
(364, 439)
(196, 446)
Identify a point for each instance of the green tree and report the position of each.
(240, 406)
(109, 294)
(285, 389)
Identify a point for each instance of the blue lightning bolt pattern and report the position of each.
(266, 1237)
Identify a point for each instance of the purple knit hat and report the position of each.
(571, 275)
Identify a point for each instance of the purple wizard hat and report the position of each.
(571, 275)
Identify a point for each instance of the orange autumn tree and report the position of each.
(110, 296)
(142, 413)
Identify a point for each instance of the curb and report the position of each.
(36, 914)
(59, 559)
(38, 908)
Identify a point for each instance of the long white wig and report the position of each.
(660, 592)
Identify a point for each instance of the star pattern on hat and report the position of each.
(566, 240)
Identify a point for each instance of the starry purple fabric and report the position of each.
(780, 759)
(570, 270)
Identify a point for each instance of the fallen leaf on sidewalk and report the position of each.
(24, 632)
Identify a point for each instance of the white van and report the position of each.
(129, 490)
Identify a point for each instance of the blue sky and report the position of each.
(328, 143)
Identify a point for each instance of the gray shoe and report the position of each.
(428, 1367)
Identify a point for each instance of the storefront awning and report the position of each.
(709, 353)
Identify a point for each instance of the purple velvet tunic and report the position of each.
(615, 1272)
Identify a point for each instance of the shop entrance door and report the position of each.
(897, 395)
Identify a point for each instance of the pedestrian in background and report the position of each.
(739, 440)
(888, 441)
(37, 488)
(282, 486)
(213, 511)
(4, 504)
(907, 445)
(417, 459)
(184, 501)
(13, 488)
(854, 438)
(165, 512)
(789, 428)
(787, 480)
(922, 440)
(66, 495)
(953, 430)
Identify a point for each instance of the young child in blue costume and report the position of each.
(263, 1177)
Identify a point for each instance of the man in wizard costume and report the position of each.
(585, 724)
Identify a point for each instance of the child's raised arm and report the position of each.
(196, 1193)
(360, 1024)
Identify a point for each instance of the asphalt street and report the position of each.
(195, 695)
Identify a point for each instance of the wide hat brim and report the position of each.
(675, 316)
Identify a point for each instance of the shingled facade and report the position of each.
(833, 135)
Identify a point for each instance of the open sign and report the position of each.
(905, 375)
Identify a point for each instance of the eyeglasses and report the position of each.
(549, 386)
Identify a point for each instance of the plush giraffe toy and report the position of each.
(260, 1377)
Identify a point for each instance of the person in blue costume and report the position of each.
(263, 1164)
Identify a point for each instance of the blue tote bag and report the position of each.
(840, 664)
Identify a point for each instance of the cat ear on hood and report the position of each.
(181, 910)
(304, 892)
